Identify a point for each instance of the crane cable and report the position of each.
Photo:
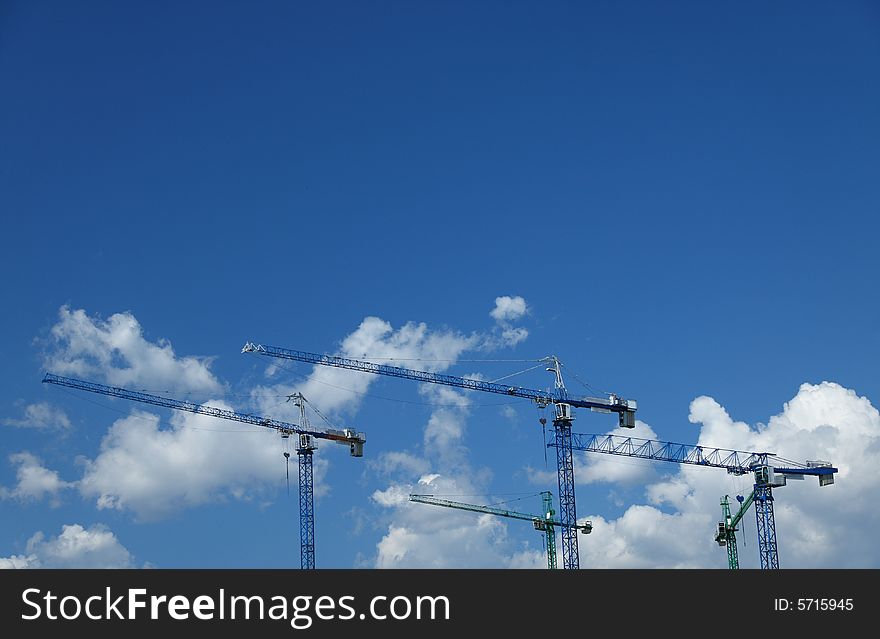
(315, 408)
(521, 497)
(585, 384)
(507, 501)
(542, 412)
(368, 358)
(286, 454)
(525, 370)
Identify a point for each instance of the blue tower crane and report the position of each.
(770, 472)
(354, 440)
(562, 401)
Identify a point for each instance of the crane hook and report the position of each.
(543, 421)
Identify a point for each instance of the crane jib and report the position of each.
(541, 397)
(734, 461)
(201, 409)
(585, 526)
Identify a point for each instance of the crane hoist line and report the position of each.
(563, 402)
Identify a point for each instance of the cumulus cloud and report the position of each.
(75, 547)
(115, 350)
(511, 336)
(444, 431)
(153, 471)
(508, 308)
(831, 526)
(34, 480)
(41, 415)
(15, 562)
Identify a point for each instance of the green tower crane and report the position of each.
(542, 523)
(726, 535)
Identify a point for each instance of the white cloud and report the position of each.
(428, 478)
(528, 559)
(116, 351)
(541, 477)
(645, 537)
(445, 428)
(396, 461)
(34, 480)
(513, 336)
(394, 495)
(508, 308)
(75, 547)
(830, 526)
(40, 415)
(154, 471)
(17, 562)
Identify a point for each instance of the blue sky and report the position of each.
(684, 195)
